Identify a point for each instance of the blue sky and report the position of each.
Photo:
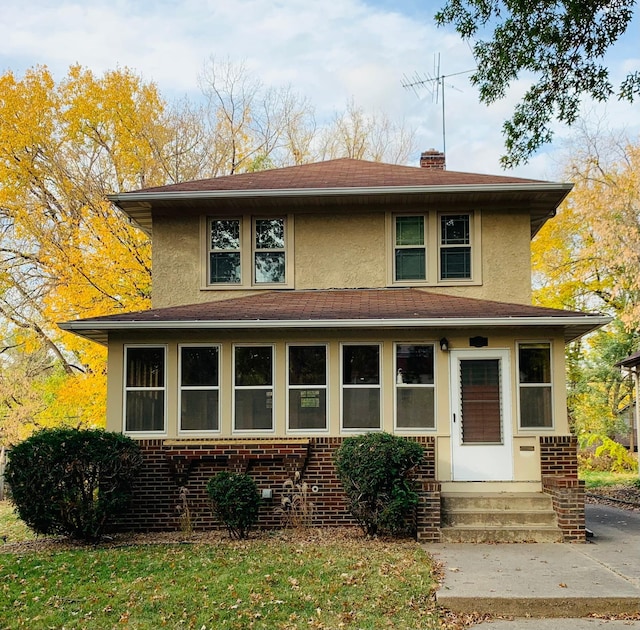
(330, 51)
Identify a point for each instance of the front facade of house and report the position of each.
(297, 306)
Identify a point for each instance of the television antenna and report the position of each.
(434, 83)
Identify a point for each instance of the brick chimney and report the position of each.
(432, 159)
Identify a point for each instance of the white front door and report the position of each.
(481, 432)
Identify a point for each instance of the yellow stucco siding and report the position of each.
(525, 448)
(353, 249)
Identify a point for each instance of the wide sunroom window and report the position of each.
(307, 385)
(535, 389)
(361, 395)
(144, 391)
(199, 388)
(415, 386)
(253, 388)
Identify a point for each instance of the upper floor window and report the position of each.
(410, 248)
(144, 389)
(225, 251)
(247, 251)
(455, 247)
(535, 385)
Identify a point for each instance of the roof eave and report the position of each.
(574, 327)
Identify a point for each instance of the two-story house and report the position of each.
(296, 306)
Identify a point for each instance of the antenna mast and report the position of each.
(435, 84)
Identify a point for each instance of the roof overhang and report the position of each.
(541, 199)
(573, 327)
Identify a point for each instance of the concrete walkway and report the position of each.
(549, 580)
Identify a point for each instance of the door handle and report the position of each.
(454, 417)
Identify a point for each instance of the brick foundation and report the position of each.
(559, 468)
(170, 465)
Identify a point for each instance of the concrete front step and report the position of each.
(500, 517)
(500, 534)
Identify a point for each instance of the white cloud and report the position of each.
(328, 51)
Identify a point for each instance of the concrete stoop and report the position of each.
(506, 517)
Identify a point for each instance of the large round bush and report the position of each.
(236, 501)
(72, 481)
(376, 471)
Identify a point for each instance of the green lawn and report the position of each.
(596, 479)
(270, 582)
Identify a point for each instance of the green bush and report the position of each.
(236, 501)
(601, 453)
(72, 481)
(376, 471)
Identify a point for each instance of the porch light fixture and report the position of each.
(444, 344)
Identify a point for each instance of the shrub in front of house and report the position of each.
(376, 471)
(72, 482)
(236, 501)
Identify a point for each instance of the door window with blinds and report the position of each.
(144, 390)
(480, 401)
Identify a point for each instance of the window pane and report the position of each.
(409, 230)
(361, 408)
(144, 411)
(535, 363)
(199, 410)
(361, 365)
(455, 262)
(307, 409)
(535, 407)
(253, 409)
(225, 234)
(410, 264)
(224, 267)
(269, 233)
(199, 366)
(307, 365)
(145, 367)
(414, 364)
(270, 267)
(253, 366)
(415, 408)
(454, 229)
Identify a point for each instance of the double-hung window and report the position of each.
(199, 388)
(253, 388)
(144, 390)
(361, 391)
(415, 386)
(225, 251)
(534, 383)
(307, 385)
(410, 248)
(455, 247)
(269, 255)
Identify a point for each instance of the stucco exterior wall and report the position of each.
(348, 250)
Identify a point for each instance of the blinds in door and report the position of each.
(481, 402)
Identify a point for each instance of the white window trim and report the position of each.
(304, 387)
(471, 246)
(413, 430)
(199, 388)
(125, 389)
(271, 388)
(247, 251)
(550, 429)
(379, 386)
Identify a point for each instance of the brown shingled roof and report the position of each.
(352, 307)
(341, 173)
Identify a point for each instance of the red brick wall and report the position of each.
(559, 468)
(170, 465)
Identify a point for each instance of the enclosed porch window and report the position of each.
(253, 388)
(361, 395)
(144, 391)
